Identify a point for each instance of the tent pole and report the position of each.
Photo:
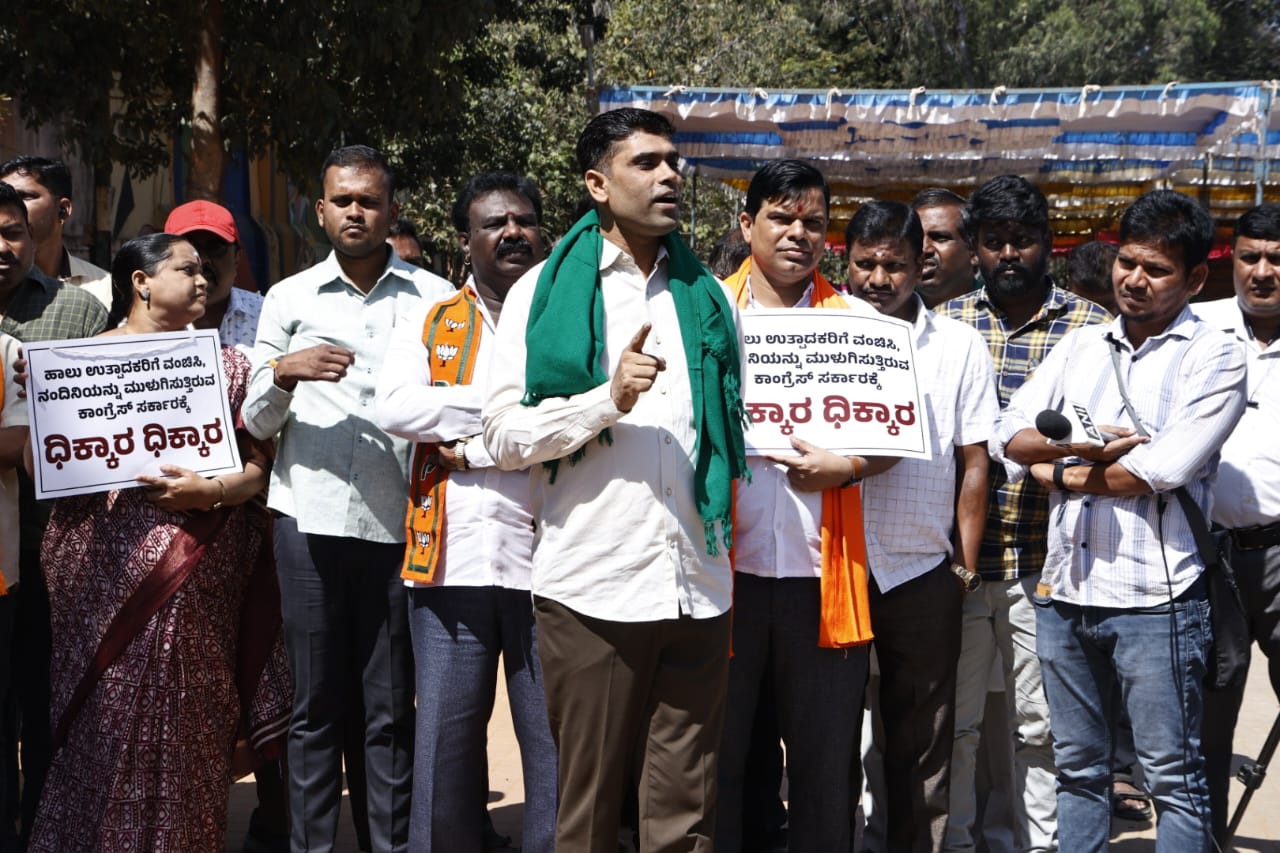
(1262, 166)
(693, 212)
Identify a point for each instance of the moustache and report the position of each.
(507, 247)
(1018, 268)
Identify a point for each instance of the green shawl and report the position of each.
(565, 341)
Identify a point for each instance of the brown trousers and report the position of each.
(639, 704)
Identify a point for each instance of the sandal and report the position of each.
(1131, 804)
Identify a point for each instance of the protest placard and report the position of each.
(837, 379)
(104, 410)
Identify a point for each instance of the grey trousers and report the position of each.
(458, 635)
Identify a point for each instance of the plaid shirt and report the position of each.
(46, 309)
(1016, 538)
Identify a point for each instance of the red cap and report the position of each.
(202, 216)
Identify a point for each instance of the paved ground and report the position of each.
(1259, 833)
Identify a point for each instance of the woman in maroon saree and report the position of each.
(165, 617)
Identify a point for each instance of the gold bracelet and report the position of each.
(222, 494)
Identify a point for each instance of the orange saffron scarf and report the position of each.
(451, 335)
(845, 618)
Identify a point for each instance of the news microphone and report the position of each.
(1074, 425)
(1053, 425)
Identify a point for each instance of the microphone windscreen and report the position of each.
(1053, 425)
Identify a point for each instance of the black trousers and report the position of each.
(817, 693)
(346, 618)
(1258, 573)
(917, 628)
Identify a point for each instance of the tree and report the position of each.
(526, 86)
(448, 90)
(522, 101)
(1031, 43)
(120, 77)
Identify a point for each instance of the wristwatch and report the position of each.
(460, 452)
(968, 579)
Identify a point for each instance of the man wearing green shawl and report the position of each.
(616, 381)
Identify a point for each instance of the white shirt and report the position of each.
(488, 537)
(778, 529)
(619, 536)
(14, 414)
(239, 326)
(1247, 491)
(909, 510)
(1187, 385)
(335, 471)
(93, 280)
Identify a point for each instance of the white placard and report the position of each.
(104, 410)
(842, 381)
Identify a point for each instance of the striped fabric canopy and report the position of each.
(1091, 150)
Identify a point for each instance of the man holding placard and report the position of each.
(798, 547)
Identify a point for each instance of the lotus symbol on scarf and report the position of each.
(446, 352)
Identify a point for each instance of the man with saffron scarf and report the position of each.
(470, 536)
(798, 544)
(616, 378)
(924, 522)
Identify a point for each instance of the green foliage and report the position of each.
(452, 89)
(306, 77)
(767, 43)
(523, 102)
(62, 59)
(1030, 43)
(302, 77)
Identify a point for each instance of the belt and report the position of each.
(1256, 537)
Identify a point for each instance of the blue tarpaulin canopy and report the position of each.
(1091, 149)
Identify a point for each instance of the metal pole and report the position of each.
(1262, 166)
(1251, 774)
(693, 212)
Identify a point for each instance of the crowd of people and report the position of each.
(542, 472)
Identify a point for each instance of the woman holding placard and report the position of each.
(168, 674)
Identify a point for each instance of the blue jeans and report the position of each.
(1157, 661)
(458, 635)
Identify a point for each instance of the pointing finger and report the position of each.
(638, 341)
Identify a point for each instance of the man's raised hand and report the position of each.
(636, 372)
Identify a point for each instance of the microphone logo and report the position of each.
(1086, 424)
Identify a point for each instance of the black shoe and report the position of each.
(260, 838)
(495, 841)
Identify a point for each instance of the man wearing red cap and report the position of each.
(231, 310)
(234, 312)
